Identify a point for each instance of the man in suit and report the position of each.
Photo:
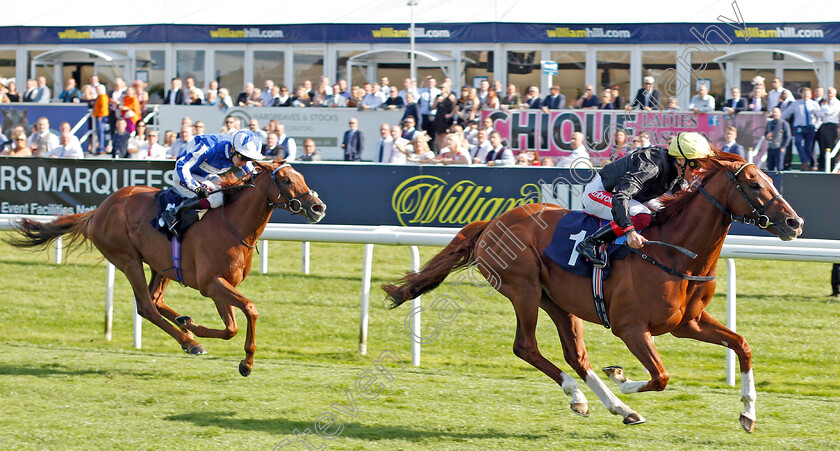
(383, 146)
(176, 95)
(310, 153)
(648, 98)
(43, 93)
(272, 147)
(736, 104)
(353, 142)
(120, 140)
(554, 100)
(532, 98)
(408, 128)
(31, 90)
(731, 146)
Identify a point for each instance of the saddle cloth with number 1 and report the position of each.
(571, 230)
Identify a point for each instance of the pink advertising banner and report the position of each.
(550, 133)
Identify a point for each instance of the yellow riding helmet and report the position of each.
(691, 146)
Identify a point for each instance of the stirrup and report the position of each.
(594, 256)
(171, 221)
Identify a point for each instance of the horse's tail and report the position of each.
(457, 254)
(39, 235)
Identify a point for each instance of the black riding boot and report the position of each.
(588, 247)
(172, 217)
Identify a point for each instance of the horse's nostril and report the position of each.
(317, 208)
(795, 223)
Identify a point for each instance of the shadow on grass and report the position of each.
(51, 370)
(326, 277)
(282, 426)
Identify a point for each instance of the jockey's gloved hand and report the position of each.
(202, 192)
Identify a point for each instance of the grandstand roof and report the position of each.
(262, 12)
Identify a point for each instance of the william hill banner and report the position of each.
(370, 193)
(355, 193)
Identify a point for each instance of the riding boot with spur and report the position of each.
(589, 246)
(172, 217)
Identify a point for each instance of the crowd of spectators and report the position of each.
(434, 119)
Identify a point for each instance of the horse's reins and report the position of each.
(294, 204)
(761, 220)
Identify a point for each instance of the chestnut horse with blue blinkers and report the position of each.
(215, 252)
(641, 300)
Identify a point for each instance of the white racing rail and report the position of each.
(734, 247)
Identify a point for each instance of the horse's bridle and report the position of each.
(293, 203)
(761, 220)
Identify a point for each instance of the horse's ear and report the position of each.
(279, 160)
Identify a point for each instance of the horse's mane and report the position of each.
(674, 206)
(230, 179)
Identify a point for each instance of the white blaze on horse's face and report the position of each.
(311, 207)
(786, 223)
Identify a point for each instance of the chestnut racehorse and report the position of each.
(215, 252)
(642, 301)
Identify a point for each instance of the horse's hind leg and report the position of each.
(570, 329)
(705, 328)
(146, 307)
(157, 286)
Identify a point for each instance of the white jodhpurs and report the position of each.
(597, 201)
(213, 182)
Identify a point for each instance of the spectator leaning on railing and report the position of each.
(69, 146)
(702, 102)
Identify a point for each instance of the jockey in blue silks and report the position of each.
(200, 163)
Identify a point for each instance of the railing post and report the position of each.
(137, 327)
(109, 300)
(365, 307)
(59, 247)
(263, 256)
(304, 256)
(730, 317)
(415, 307)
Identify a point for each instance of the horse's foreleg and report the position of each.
(147, 309)
(570, 329)
(705, 328)
(640, 342)
(227, 297)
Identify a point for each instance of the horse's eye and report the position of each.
(287, 181)
(755, 185)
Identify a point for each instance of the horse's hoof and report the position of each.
(633, 418)
(197, 350)
(747, 423)
(184, 320)
(615, 370)
(580, 408)
(244, 370)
